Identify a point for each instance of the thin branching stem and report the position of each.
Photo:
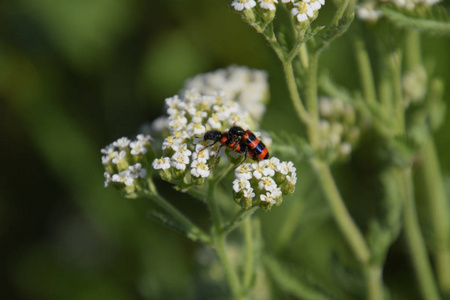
(415, 240)
(219, 237)
(438, 208)
(191, 228)
(365, 71)
(249, 261)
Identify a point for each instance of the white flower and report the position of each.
(108, 150)
(244, 171)
(199, 116)
(240, 184)
(137, 147)
(248, 193)
(222, 113)
(268, 4)
(118, 156)
(106, 159)
(182, 149)
(237, 120)
(271, 166)
(170, 142)
(345, 149)
(268, 198)
(121, 143)
(107, 179)
(174, 105)
(123, 177)
(367, 11)
(214, 122)
(260, 169)
(179, 161)
(143, 138)
(292, 179)
(180, 134)
(162, 163)
(177, 122)
(302, 11)
(136, 171)
(287, 1)
(267, 183)
(316, 4)
(240, 5)
(286, 167)
(195, 129)
(199, 169)
(201, 155)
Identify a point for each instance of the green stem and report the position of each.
(289, 225)
(365, 72)
(345, 222)
(412, 49)
(438, 208)
(415, 240)
(340, 12)
(374, 283)
(240, 216)
(294, 94)
(248, 270)
(395, 61)
(219, 238)
(192, 229)
(289, 73)
(350, 231)
(311, 101)
(304, 58)
(385, 89)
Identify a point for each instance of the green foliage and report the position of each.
(432, 24)
(306, 288)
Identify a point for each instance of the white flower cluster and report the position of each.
(303, 10)
(263, 183)
(248, 87)
(124, 161)
(189, 117)
(411, 4)
(369, 10)
(414, 84)
(338, 129)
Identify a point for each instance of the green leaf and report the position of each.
(428, 26)
(290, 145)
(287, 282)
(334, 31)
(171, 223)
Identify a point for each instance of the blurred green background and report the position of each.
(77, 75)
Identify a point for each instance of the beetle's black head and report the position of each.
(236, 131)
(212, 135)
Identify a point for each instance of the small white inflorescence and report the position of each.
(368, 11)
(339, 131)
(263, 183)
(211, 101)
(411, 4)
(240, 5)
(125, 163)
(302, 10)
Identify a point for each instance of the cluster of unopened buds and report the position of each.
(302, 10)
(339, 131)
(186, 157)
